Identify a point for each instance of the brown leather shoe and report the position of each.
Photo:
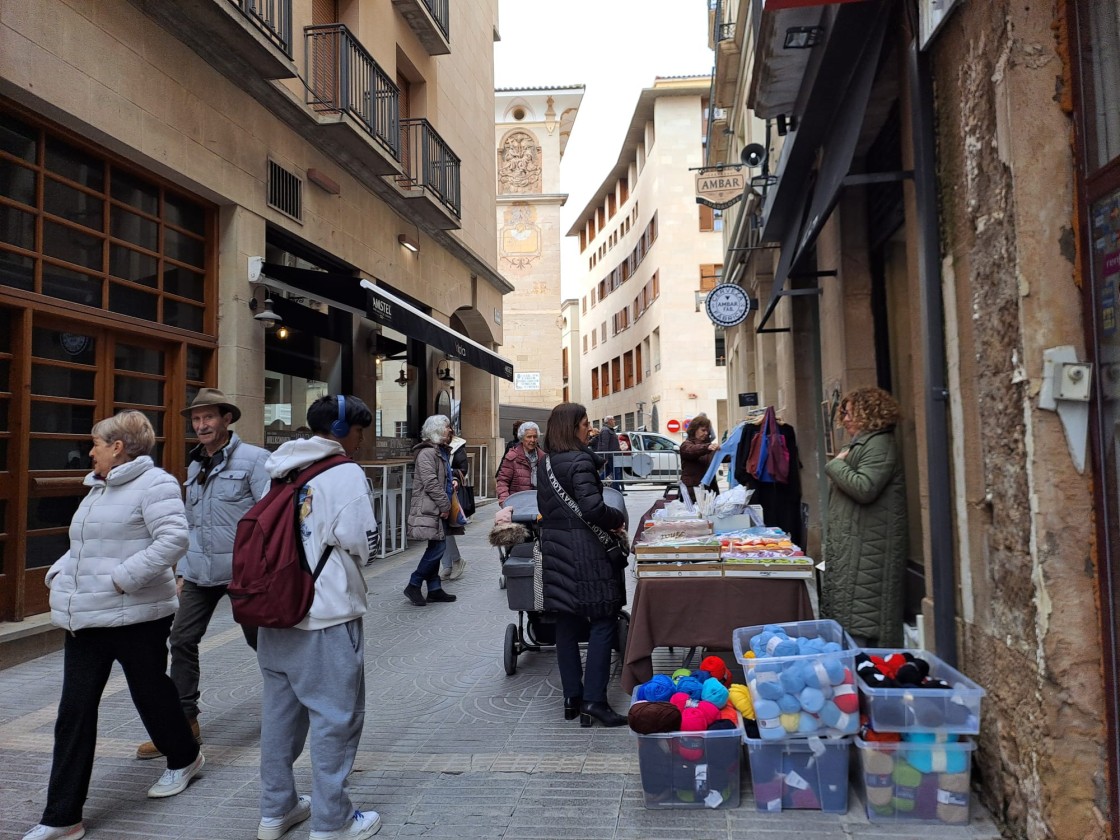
(148, 749)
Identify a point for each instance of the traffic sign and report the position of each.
(673, 426)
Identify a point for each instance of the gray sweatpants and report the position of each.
(313, 680)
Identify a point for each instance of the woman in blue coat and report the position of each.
(581, 585)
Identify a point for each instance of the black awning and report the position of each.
(360, 295)
(858, 37)
(387, 309)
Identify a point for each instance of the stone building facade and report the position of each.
(170, 171)
(936, 214)
(648, 354)
(532, 127)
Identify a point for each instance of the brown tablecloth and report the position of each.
(704, 612)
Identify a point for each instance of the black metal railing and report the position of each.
(271, 17)
(343, 78)
(430, 164)
(441, 14)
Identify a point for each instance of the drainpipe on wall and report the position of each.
(932, 317)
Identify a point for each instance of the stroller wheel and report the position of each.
(509, 655)
(501, 581)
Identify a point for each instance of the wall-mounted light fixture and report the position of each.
(402, 377)
(409, 242)
(282, 332)
(266, 315)
(443, 371)
(803, 37)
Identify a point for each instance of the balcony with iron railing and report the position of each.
(429, 21)
(272, 17)
(353, 98)
(431, 173)
(248, 41)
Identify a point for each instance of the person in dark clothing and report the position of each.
(781, 502)
(607, 442)
(581, 585)
(697, 451)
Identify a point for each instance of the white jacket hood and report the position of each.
(301, 453)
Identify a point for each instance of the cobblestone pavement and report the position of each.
(452, 747)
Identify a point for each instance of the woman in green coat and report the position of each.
(866, 545)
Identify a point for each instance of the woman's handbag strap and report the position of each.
(605, 538)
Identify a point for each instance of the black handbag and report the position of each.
(466, 496)
(617, 544)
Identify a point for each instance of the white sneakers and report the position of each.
(457, 569)
(50, 832)
(176, 781)
(273, 828)
(365, 824)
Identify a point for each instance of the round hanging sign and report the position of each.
(727, 305)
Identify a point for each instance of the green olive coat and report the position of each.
(866, 545)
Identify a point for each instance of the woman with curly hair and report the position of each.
(697, 450)
(866, 544)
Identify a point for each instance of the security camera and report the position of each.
(753, 155)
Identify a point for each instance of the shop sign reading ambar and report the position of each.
(719, 187)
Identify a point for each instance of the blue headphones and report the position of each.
(340, 428)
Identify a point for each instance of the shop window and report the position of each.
(99, 234)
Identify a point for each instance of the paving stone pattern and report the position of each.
(452, 747)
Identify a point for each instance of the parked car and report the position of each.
(650, 457)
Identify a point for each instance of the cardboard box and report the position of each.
(678, 569)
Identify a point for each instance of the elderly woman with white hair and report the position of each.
(432, 489)
(518, 470)
(113, 592)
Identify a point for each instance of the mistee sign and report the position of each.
(720, 186)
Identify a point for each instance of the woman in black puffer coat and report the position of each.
(580, 584)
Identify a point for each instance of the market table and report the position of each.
(704, 612)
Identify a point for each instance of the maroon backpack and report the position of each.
(273, 585)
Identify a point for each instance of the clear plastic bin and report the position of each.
(806, 774)
(923, 783)
(799, 716)
(691, 769)
(907, 709)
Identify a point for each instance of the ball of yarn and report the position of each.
(708, 710)
(693, 720)
(650, 718)
(812, 699)
(740, 697)
(714, 692)
(679, 699)
(716, 667)
(657, 690)
(690, 686)
(681, 672)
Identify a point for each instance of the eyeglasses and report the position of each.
(844, 413)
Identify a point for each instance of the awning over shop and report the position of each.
(385, 308)
(829, 128)
(365, 298)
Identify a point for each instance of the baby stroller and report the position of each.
(536, 629)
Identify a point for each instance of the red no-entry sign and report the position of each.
(673, 426)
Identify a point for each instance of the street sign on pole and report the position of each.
(673, 426)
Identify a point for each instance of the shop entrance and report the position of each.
(57, 378)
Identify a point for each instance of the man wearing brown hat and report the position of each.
(226, 477)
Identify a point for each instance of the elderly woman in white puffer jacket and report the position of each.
(114, 594)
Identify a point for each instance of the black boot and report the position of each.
(571, 707)
(415, 595)
(602, 712)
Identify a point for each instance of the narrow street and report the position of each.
(452, 746)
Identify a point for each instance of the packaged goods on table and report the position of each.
(801, 677)
(763, 552)
(679, 557)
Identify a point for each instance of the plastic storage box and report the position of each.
(807, 774)
(908, 709)
(691, 769)
(911, 782)
(784, 708)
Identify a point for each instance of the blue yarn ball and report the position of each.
(714, 692)
(690, 686)
(659, 689)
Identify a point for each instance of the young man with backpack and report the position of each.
(314, 672)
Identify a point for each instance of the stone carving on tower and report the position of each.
(519, 164)
(520, 235)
